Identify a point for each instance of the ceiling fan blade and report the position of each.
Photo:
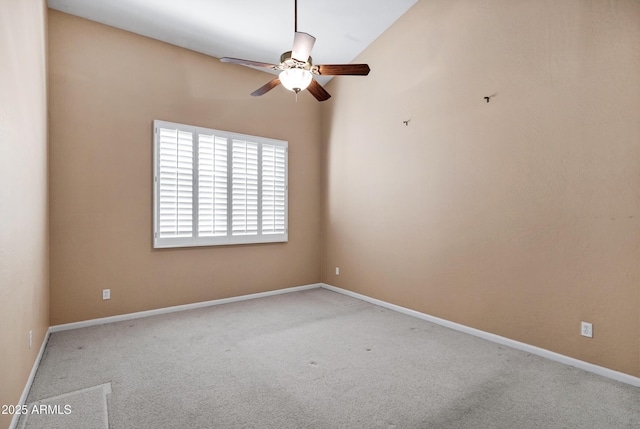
(343, 69)
(266, 87)
(318, 91)
(302, 46)
(248, 63)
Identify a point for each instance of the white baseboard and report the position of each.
(27, 387)
(586, 366)
(138, 315)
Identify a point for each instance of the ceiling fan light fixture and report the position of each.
(295, 79)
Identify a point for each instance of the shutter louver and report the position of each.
(212, 186)
(274, 189)
(175, 183)
(244, 216)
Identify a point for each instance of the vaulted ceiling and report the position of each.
(259, 30)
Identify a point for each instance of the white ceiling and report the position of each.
(257, 30)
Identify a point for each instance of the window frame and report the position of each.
(229, 239)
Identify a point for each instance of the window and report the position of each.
(215, 187)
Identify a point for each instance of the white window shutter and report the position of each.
(175, 183)
(212, 186)
(244, 178)
(274, 189)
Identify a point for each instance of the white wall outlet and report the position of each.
(30, 338)
(106, 293)
(337, 271)
(586, 329)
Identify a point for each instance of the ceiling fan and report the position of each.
(297, 69)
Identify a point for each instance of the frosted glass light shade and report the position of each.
(295, 80)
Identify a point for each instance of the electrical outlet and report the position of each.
(586, 330)
(30, 338)
(337, 271)
(106, 293)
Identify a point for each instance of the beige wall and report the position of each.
(520, 216)
(106, 88)
(24, 295)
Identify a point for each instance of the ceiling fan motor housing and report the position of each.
(288, 62)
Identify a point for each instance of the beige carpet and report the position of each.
(80, 409)
(314, 359)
